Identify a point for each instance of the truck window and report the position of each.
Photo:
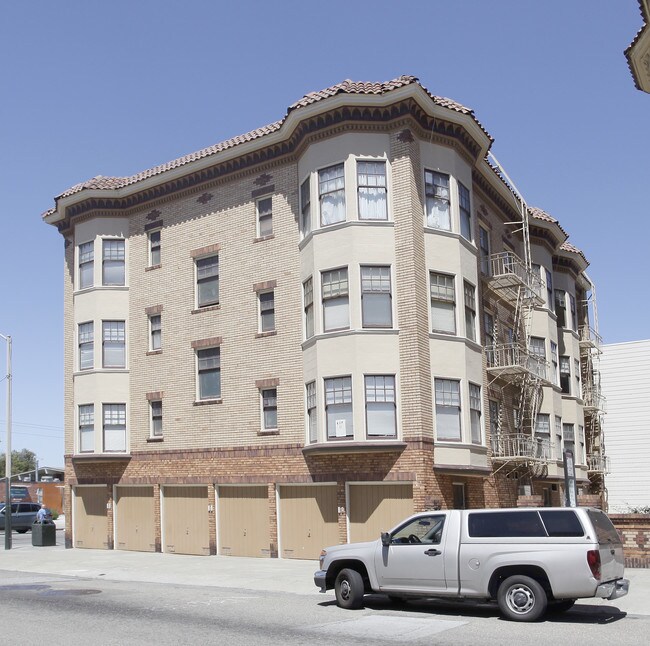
(562, 523)
(605, 531)
(425, 529)
(505, 524)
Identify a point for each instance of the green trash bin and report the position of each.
(43, 534)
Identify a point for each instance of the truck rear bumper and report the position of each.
(613, 589)
(320, 580)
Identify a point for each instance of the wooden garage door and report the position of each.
(244, 527)
(134, 519)
(90, 520)
(185, 520)
(377, 508)
(308, 520)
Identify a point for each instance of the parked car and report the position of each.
(527, 560)
(23, 514)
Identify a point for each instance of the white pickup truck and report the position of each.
(528, 560)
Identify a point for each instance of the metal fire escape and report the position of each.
(595, 404)
(511, 364)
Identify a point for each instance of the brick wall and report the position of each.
(635, 530)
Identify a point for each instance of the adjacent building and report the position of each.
(638, 52)
(626, 380)
(298, 336)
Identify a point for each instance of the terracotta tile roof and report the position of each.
(567, 246)
(540, 214)
(644, 7)
(347, 87)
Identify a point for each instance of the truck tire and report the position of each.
(521, 598)
(349, 589)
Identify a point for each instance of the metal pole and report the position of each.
(8, 450)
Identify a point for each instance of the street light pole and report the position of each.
(8, 449)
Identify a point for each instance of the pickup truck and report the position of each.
(529, 560)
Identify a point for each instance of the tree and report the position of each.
(21, 461)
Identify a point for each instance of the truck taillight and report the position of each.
(593, 559)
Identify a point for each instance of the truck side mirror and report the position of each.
(385, 539)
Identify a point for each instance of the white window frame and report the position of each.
(305, 207)
(114, 422)
(476, 413)
(331, 187)
(339, 400)
(448, 405)
(311, 402)
(380, 403)
(155, 332)
(266, 310)
(269, 408)
(212, 364)
(86, 344)
(86, 264)
(155, 248)
(469, 299)
(156, 418)
(309, 319)
(335, 294)
(372, 185)
(442, 299)
(114, 338)
(212, 277)
(437, 190)
(376, 286)
(114, 260)
(264, 216)
(465, 212)
(86, 418)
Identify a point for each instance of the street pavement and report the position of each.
(272, 575)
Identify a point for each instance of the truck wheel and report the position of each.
(521, 599)
(349, 589)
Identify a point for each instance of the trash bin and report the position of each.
(43, 534)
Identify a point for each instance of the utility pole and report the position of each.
(8, 449)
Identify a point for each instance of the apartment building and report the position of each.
(638, 52)
(298, 336)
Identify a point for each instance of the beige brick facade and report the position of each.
(209, 208)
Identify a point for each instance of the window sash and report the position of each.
(154, 248)
(308, 299)
(86, 428)
(312, 411)
(465, 212)
(207, 281)
(331, 192)
(114, 427)
(209, 373)
(437, 200)
(113, 265)
(381, 416)
(475, 413)
(338, 407)
(156, 418)
(270, 408)
(265, 216)
(376, 302)
(305, 207)
(155, 325)
(267, 311)
(371, 182)
(86, 346)
(447, 396)
(86, 265)
(114, 344)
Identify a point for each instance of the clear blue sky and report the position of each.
(112, 88)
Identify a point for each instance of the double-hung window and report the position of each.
(376, 302)
(558, 437)
(265, 217)
(308, 307)
(495, 425)
(554, 363)
(267, 311)
(336, 300)
(371, 184)
(305, 208)
(470, 311)
(448, 410)
(574, 314)
(209, 373)
(443, 303)
(488, 337)
(475, 413)
(312, 411)
(114, 344)
(381, 417)
(156, 409)
(86, 428)
(576, 376)
(155, 332)
(331, 194)
(269, 398)
(436, 189)
(565, 375)
(484, 250)
(549, 289)
(465, 212)
(207, 281)
(114, 427)
(560, 307)
(568, 436)
(113, 268)
(154, 248)
(338, 408)
(86, 265)
(543, 433)
(86, 346)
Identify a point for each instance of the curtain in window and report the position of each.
(371, 177)
(332, 195)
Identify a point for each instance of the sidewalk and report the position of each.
(271, 575)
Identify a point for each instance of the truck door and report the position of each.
(414, 558)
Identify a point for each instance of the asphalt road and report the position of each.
(74, 610)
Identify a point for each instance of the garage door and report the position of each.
(308, 520)
(377, 508)
(244, 527)
(90, 520)
(134, 519)
(185, 520)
